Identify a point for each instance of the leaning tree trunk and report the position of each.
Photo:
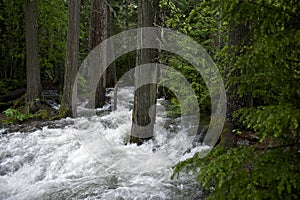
(68, 107)
(145, 97)
(32, 62)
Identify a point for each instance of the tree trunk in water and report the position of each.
(143, 116)
(111, 76)
(32, 62)
(131, 77)
(98, 33)
(71, 67)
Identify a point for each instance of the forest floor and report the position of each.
(44, 116)
(3, 118)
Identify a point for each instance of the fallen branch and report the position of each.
(12, 95)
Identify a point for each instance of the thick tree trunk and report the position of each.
(32, 62)
(98, 33)
(71, 67)
(145, 97)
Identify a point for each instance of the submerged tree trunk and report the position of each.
(32, 62)
(143, 117)
(98, 33)
(71, 68)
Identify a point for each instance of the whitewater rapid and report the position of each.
(88, 159)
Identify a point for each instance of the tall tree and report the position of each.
(32, 62)
(145, 96)
(59, 69)
(98, 33)
(111, 76)
(72, 58)
(238, 37)
(258, 165)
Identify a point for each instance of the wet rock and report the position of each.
(200, 135)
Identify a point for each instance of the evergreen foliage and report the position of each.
(269, 71)
(247, 173)
(268, 62)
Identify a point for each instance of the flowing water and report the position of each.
(88, 159)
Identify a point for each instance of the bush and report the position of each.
(247, 172)
(16, 116)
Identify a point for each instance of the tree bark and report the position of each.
(60, 68)
(98, 33)
(32, 62)
(111, 76)
(239, 36)
(145, 97)
(71, 67)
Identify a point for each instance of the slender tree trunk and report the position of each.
(71, 67)
(98, 33)
(59, 69)
(131, 57)
(238, 37)
(111, 76)
(127, 28)
(145, 97)
(32, 62)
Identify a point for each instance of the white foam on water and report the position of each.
(89, 160)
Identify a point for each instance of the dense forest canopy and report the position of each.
(254, 43)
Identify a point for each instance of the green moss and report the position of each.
(62, 113)
(41, 114)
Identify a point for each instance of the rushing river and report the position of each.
(87, 159)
